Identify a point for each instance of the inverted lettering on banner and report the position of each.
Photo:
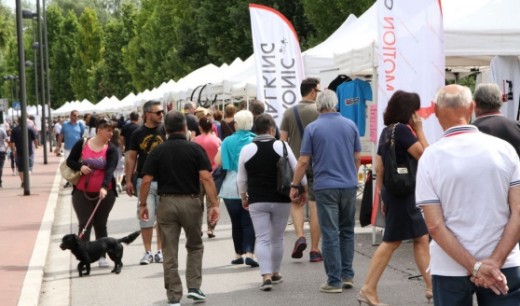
(278, 62)
(411, 56)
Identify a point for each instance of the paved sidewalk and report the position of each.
(24, 221)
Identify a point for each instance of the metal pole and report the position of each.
(44, 127)
(35, 73)
(46, 44)
(21, 72)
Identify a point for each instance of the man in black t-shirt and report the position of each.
(179, 166)
(16, 145)
(128, 129)
(488, 100)
(143, 141)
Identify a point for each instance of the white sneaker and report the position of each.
(158, 257)
(147, 258)
(103, 263)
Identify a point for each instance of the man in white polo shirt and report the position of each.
(468, 185)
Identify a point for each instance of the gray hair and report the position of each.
(243, 120)
(326, 100)
(488, 97)
(453, 96)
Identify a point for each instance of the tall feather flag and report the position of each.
(411, 56)
(278, 60)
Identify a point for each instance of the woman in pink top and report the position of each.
(210, 143)
(97, 160)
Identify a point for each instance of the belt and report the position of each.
(180, 195)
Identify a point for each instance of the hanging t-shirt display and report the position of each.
(352, 97)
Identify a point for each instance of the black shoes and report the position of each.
(196, 294)
(267, 285)
(251, 262)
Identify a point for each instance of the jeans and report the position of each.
(242, 229)
(452, 290)
(336, 215)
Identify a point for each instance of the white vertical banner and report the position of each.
(411, 56)
(278, 60)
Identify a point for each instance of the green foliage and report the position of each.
(62, 38)
(101, 48)
(88, 49)
(327, 15)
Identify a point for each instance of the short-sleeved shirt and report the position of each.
(144, 140)
(16, 138)
(71, 133)
(210, 143)
(469, 174)
(175, 165)
(57, 128)
(3, 139)
(331, 141)
(308, 113)
(352, 97)
(127, 131)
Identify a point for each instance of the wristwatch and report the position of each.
(476, 268)
(296, 186)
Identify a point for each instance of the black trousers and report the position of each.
(84, 208)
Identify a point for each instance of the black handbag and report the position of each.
(398, 179)
(285, 173)
(218, 177)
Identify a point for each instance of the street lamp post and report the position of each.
(47, 73)
(30, 15)
(23, 99)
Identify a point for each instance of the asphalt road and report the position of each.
(223, 283)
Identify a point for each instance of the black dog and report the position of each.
(89, 252)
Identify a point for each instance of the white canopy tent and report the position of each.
(320, 57)
(474, 32)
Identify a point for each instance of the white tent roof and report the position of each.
(474, 32)
(486, 28)
(319, 57)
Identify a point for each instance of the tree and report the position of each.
(112, 78)
(327, 15)
(62, 37)
(89, 49)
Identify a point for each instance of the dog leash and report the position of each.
(89, 220)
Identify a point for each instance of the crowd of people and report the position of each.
(463, 219)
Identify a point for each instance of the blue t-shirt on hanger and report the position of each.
(352, 97)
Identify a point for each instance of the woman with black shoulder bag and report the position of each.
(401, 144)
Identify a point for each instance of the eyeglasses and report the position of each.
(317, 90)
(158, 113)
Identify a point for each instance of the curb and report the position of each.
(30, 294)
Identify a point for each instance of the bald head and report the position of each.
(454, 105)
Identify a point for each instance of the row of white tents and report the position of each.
(474, 32)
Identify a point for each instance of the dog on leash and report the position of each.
(91, 251)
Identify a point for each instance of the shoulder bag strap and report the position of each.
(298, 120)
(284, 149)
